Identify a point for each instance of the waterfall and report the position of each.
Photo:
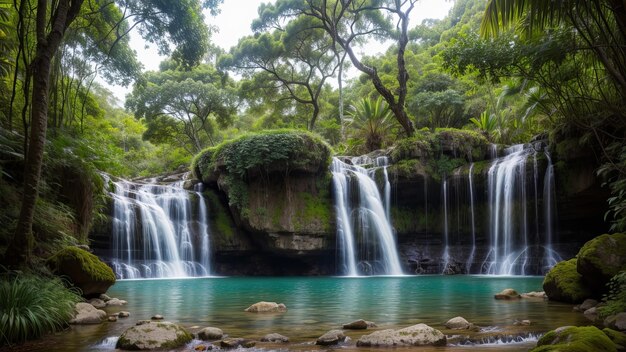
(153, 232)
(470, 258)
(512, 250)
(363, 218)
(446, 250)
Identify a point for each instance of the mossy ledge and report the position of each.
(576, 339)
(563, 283)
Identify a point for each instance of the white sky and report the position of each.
(234, 21)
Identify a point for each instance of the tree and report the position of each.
(184, 105)
(52, 19)
(292, 62)
(349, 23)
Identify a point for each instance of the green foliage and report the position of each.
(615, 299)
(33, 306)
(371, 121)
(613, 173)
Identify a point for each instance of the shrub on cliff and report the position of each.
(251, 155)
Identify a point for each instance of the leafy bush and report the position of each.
(616, 298)
(33, 306)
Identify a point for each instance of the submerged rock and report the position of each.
(153, 335)
(356, 325)
(275, 338)
(507, 293)
(210, 333)
(533, 294)
(87, 314)
(123, 314)
(237, 342)
(266, 307)
(115, 302)
(157, 317)
(112, 318)
(333, 337)
(416, 335)
(458, 323)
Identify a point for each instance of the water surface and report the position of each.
(318, 304)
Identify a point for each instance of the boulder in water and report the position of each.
(458, 323)
(332, 337)
(573, 338)
(98, 303)
(87, 314)
(210, 333)
(564, 284)
(356, 325)
(416, 335)
(507, 293)
(237, 342)
(123, 314)
(157, 317)
(616, 322)
(153, 335)
(266, 307)
(114, 302)
(275, 338)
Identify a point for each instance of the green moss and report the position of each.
(316, 208)
(407, 168)
(218, 213)
(597, 251)
(618, 338)
(563, 283)
(201, 164)
(91, 264)
(576, 339)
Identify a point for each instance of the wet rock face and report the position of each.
(153, 335)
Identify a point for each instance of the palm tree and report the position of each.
(371, 120)
(601, 25)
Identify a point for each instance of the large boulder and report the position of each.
(507, 294)
(266, 307)
(153, 335)
(600, 259)
(572, 338)
(86, 271)
(563, 283)
(87, 314)
(416, 335)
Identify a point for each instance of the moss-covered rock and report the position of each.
(84, 270)
(563, 283)
(575, 339)
(600, 259)
(618, 338)
(153, 335)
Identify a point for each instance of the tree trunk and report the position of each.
(20, 248)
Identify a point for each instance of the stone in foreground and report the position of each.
(266, 307)
(573, 338)
(237, 342)
(416, 335)
(210, 333)
(458, 323)
(153, 335)
(87, 314)
(275, 338)
(332, 337)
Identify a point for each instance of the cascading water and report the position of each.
(511, 249)
(446, 250)
(153, 232)
(363, 219)
(470, 258)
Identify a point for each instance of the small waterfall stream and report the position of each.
(155, 232)
(363, 218)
